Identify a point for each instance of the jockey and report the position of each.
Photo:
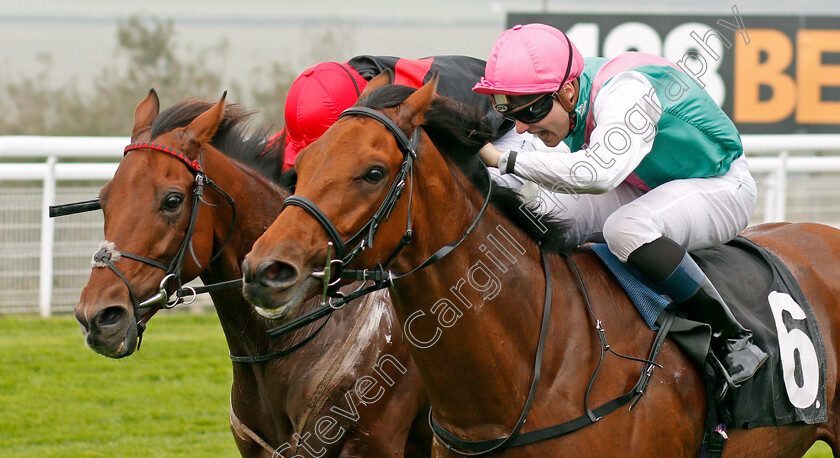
(657, 167)
(319, 95)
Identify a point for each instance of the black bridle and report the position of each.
(173, 269)
(383, 279)
(363, 238)
(108, 254)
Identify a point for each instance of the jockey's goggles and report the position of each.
(524, 108)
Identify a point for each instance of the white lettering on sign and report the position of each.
(695, 47)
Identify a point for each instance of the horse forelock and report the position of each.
(458, 131)
(232, 139)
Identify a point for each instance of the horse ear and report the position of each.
(382, 79)
(410, 113)
(144, 115)
(202, 128)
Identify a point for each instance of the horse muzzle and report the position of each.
(276, 288)
(110, 331)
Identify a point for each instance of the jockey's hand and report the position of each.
(490, 154)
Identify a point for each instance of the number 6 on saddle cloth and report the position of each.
(796, 384)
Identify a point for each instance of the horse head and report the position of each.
(350, 176)
(154, 230)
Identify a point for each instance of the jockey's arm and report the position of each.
(608, 160)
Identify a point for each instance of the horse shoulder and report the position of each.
(676, 387)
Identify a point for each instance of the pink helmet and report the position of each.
(315, 100)
(530, 59)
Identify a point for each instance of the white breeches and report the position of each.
(696, 212)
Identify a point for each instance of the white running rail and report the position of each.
(28, 159)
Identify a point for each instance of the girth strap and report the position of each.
(497, 444)
(476, 448)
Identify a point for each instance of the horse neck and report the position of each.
(259, 392)
(482, 302)
(258, 202)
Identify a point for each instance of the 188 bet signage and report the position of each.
(771, 74)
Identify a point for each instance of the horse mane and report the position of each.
(459, 131)
(232, 139)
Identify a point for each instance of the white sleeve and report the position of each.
(517, 142)
(626, 111)
(507, 180)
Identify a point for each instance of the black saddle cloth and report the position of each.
(766, 299)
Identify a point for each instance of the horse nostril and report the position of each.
(246, 270)
(276, 274)
(82, 321)
(110, 317)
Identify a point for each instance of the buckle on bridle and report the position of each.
(341, 305)
(180, 299)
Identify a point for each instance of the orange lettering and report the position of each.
(812, 76)
(751, 74)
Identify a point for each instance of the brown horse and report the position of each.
(347, 392)
(474, 315)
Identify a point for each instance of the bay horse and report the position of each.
(306, 402)
(472, 310)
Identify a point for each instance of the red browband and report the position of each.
(192, 164)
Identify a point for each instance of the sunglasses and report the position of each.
(524, 108)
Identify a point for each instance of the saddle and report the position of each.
(765, 298)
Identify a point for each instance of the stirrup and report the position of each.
(729, 382)
(752, 351)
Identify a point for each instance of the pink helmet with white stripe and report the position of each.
(530, 59)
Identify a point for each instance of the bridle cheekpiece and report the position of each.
(108, 254)
(363, 239)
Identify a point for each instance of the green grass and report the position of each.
(59, 398)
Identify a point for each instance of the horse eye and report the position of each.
(172, 202)
(375, 175)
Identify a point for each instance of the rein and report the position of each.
(173, 270)
(380, 277)
(383, 279)
(514, 439)
(107, 255)
(363, 241)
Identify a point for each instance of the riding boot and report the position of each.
(670, 266)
